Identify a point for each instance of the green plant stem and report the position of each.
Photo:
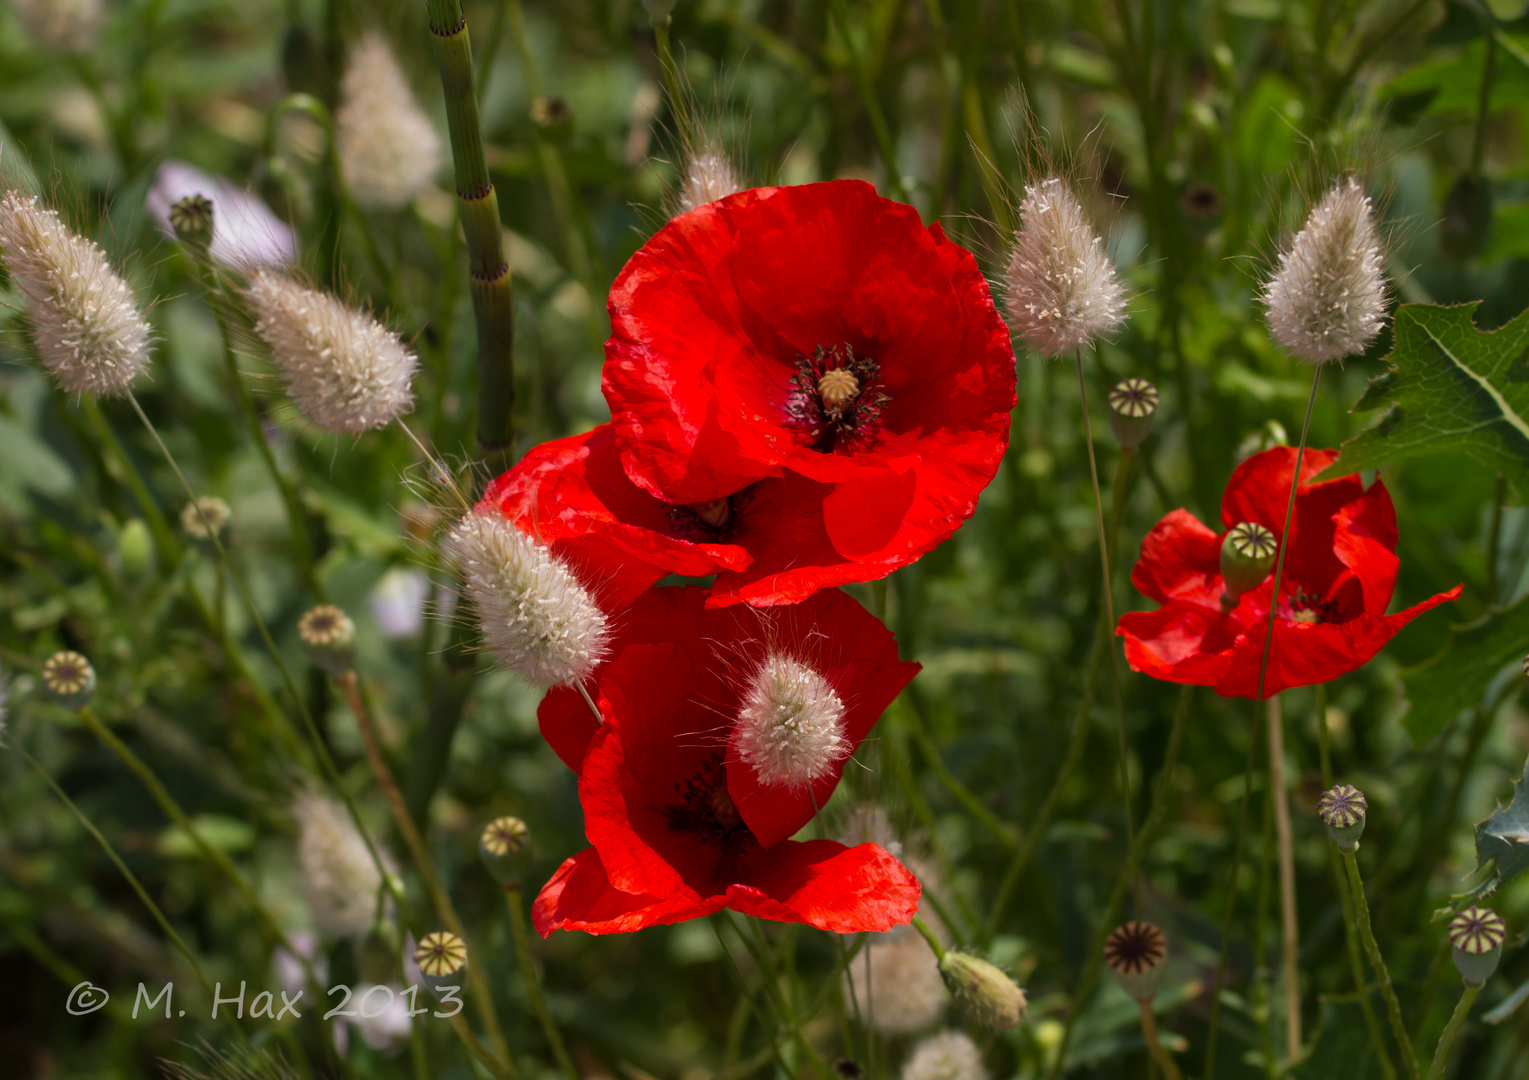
(1290, 931)
(492, 291)
(350, 688)
(1128, 873)
(879, 128)
(1258, 702)
(1452, 1029)
(1378, 964)
(532, 979)
(1165, 1064)
(928, 935)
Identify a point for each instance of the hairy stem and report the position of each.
(1452, 1029)
(1290, 931)
(1378, 964)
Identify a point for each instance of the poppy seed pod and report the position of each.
(329, 639)
(1247, 557)
(992, 998)
(1135, 954)
(505, 848)
(193, 222)
(205, 517)
(1342, 810)
(1133, 404)
(441, 958)
(1476, 936)
(69, 679)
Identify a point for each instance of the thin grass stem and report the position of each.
(1290, 931)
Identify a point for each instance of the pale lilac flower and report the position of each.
(397, 602)
(246, 234)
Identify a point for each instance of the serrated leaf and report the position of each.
(1451, 389)
(1455, 680)
(1503, 840)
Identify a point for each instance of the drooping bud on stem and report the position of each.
(1342, 809)
(441, 958)
(1135, 953)
(505, 848)
(1247, 558)
(329, 638)
(69, 679)
(790, 726)
(1133, 404)
(984, 989)
(1476, 936)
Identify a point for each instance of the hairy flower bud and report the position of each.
(1247, 558)
(1135, 954)
(65, 26)
(1342, 809)
(535, 615)
(790, 727)
(505, 848)
(709, 176)
(1327, 299)
(389, 150)
(441, 958)
(950, 1055)
(340, 879)
(329, 638)
(344, 370)
(205, 517)
(69, 679)
(1476, 936)
(1133, 403)
(1061, 285)
(85, 322)
(984, 989)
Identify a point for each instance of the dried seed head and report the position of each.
(66, 26)
(1247, 557)
(950, 1055)
(69, 679)
(345, 371)
(790, 727)
(340, 879)
(1327, 299)
(534, 614)
(203, 514)
(993, 999)
(505, 848)
(85, 322)
(1061, 285)
(709, 176)
(1342, 809)
(329, 638)
(1135, 953)
(1476, 935)
(389, 149)
(1133, 403)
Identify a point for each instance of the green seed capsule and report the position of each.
(329, 639)
(69, 679)
(441, 958)
(1342, 809)
(505, 848)
(1247, 557)
(1133, 403)
(1476, 935)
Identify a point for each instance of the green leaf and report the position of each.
(1502, 840)
(1455, 679)
(1451, 388)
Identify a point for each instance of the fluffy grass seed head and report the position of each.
(902, 992)
(85, 321)
(1327, 298)
(534, 614)
(950, 1055)
(389, 150)
(1061, 288)
(790, 726)
(64, 26)
(345, 371)
(340, 879)
(709, 176)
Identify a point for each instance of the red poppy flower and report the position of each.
(820, 332)
(681, 817)
(768, 544)
(1340, 572)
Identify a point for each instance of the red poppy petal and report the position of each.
(1364, 540)
(1180, 560)
(567, 724)
(581, 897)
(1169, 644)
(824, 884)
(1259, 490)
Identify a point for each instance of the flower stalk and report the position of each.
(1378, 963)
(1452, 1029)
(533, 983)
(1290, 931)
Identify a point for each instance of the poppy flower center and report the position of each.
(706, 810)
(835, 400)
(708, 522)
(1309, 608)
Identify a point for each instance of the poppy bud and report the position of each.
(192, 220)
(441, 958)
(329, 639)
(69, 679)
(993, 999)
(135, 547)
(1133, 403)
(505, 848)
(1342, 810)
(1247, 557)
(1135, 953)
(1476, 935)
(205, 518)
